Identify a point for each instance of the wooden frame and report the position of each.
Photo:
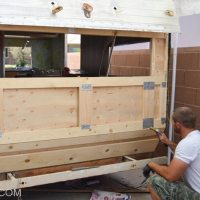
(115, 138)
(47, 122)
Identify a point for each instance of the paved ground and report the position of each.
(119, 182)
(71, 196)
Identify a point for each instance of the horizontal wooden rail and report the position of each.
(25, 83)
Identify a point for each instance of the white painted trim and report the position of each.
(137, 15)
(17, 183)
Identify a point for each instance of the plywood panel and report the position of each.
(117, 104)
(34, 109)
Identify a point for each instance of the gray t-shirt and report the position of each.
(188, 151)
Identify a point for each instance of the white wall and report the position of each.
(187, 7)
(190, 31)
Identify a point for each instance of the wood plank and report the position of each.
(1, 113)
(88, 31)
(72, 175)
(1, 55)
(163, 100)
(24, 83)
(70, 146)
(43, 144)
(85, 106)
(159, 57)
(53, 134)
(158, 102)
(107, 16)
(73, 167)
(75, 155)
(148, 103)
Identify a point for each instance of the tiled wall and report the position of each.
(188, 73)
(188, 79)
(135, 63)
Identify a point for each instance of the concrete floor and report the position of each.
(72, 196)
(118, 182)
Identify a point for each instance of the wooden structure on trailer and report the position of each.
(51, 127)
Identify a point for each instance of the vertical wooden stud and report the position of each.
(1, 56)
(85, 105)
(159, 56)
(148, 101)
(1, 113)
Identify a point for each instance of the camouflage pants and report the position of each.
(172, 190)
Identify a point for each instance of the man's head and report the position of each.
(183, 118)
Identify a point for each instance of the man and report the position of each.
(166, 183)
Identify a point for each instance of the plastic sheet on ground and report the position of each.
(103, 195)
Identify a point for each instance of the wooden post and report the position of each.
(1, 56)
(85, 106)
(159, 56)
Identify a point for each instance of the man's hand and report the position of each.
(146, 171)
(164, 139)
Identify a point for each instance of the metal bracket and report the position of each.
(149, 85)
(148, 122)
(86, 87)
(85, 126)
(163, 120)
(164, 84)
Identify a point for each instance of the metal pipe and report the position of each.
(176, 37)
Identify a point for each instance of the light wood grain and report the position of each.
(73, 141)
(1, 112)
(24, 83)
(75, 155)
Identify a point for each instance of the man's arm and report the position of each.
(173, 172)
(164, 139)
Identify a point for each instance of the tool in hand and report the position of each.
(157, 131)
(146, 172)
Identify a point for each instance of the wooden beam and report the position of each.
(1, 114)
(44, 144)
(71, 167)
(159, 56)
(45, 29)
(72, 175)
(64, 133)
(148, 101)
(1, 55)
(74, 155)
(25, 83)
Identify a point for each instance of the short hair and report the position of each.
(185, 116)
